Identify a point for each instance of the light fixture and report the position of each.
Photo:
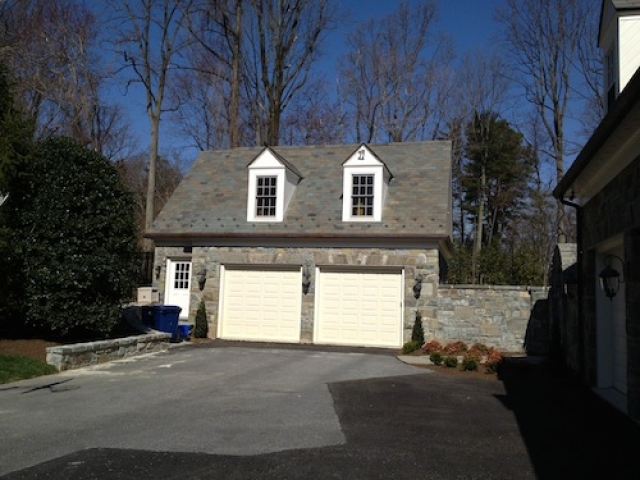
(610, 278)
(417, 287)
(306, 279)
(202, 277)
(158, 270)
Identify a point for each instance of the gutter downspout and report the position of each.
(579, 263)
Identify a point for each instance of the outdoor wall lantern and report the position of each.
(158, 270)
(610, 278)
(306, 279)
(202, 277)
(417, 288)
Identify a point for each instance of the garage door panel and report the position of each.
(261, 305)
(359, 308)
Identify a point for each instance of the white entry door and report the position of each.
(178, 285)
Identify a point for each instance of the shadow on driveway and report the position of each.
(568, 430)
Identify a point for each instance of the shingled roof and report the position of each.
(211, 201)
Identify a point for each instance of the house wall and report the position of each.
(629, 42)
(613, 213)
(424, 262)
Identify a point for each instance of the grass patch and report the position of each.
(13, 367)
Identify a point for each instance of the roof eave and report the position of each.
(627, 100)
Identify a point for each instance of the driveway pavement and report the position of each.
(277, 412)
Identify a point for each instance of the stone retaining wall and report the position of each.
(497, 316)
(69, 357)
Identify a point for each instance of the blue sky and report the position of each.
(469, 22)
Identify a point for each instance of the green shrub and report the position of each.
(436, 358)
(410, 346)
(470, 363)
(73, 240)
(417, 334)
(202, 327)
(451, 361)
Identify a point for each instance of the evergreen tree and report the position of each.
(72, 240)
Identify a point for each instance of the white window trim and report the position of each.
(347, 184)
(254, 173)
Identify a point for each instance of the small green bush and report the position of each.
(410, 346)
(436, 358)
(451, 361)
(470, 363)
(201, 329)
(417, 334)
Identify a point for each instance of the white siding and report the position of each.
(629, 42)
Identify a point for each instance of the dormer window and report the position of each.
(271, 183)
(266, 196)
(362, 198)
(364, 187)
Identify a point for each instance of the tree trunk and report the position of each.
(154, 123)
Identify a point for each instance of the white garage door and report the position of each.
(261, 305)
(361, 308)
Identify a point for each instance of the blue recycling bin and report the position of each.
(166, 319)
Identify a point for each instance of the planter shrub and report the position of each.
(451, 361)
(202, 327)
(417, 334)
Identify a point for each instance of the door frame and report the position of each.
(168, 285)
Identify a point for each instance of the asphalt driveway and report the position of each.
(243, 412)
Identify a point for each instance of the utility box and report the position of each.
(147, 295)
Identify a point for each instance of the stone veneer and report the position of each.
(424, 262)
(69, 357)
(497, 316)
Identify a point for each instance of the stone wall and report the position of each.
(497, 316)
(69, 357)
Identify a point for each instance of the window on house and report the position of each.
(266, 195)
(362, 196)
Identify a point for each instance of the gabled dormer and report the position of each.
(271, 183)
(365, 181)
(619, 39)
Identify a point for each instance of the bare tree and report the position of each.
(397, 77)
(313, 118)
(133, 172)
(216, 57)
(283, 42)
(53, 49)
(204, 111)
(151, 38)
(544, 39)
